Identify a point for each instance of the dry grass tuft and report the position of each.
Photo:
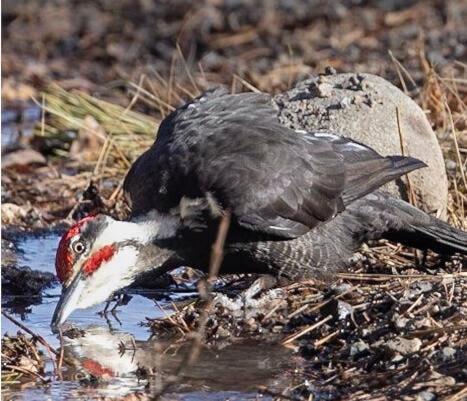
(445, 100)
(21, 360)
(67, 110)
(124, 132)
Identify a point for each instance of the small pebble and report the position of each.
(324, 90)
(358, 347)
(450, 164)
(425, 396)
(404, 346)
(330, 70)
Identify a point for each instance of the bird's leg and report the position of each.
(424, 257)
(107, 320)
(118, 300)
(123, 299)
(247, 298)
(103, 312)
(113, 312)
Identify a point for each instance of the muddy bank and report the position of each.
(26, 281)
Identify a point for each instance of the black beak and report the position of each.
(68, 302)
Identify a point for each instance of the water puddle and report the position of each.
(18, 123)
(38, 252)
(118, 349)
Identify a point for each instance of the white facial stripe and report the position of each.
(118, 231)
(110, 277)
(161, 225)
(143, 229)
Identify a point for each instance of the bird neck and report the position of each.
(143, 230)
(156, 226)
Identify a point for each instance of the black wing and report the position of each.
(230, 151)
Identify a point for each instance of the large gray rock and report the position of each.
(363, 107)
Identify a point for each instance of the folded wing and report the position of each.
(230, 151)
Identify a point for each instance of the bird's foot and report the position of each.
(248, 299)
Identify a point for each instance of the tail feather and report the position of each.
(393, 219)
(424, 231)
(442, 238)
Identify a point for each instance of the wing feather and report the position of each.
(274, 180)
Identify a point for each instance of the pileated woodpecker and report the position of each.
(301, 203)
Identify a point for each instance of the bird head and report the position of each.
(99, 256)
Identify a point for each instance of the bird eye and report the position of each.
(78, 247)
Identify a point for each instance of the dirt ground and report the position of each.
(393, 328)
(271, 44)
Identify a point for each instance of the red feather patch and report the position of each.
(63, 258)
(97, 258)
